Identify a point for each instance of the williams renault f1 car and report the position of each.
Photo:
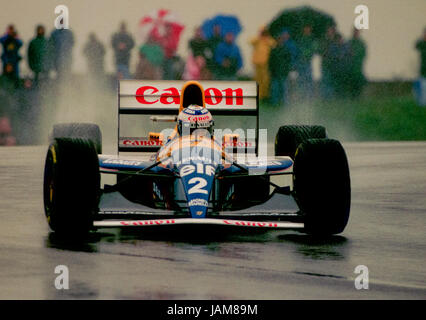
(192, 175)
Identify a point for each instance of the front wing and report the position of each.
(279, 212)
(198, 221)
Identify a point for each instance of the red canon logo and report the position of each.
(198, 118)
(251, 223)
(146, 222)
(171, 95)
(148, 143)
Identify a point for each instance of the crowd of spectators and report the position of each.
(277, 61)
(19, 98)
(215, 58)
(158, 58)
(342, 64)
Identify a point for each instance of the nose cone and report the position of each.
(197, 179)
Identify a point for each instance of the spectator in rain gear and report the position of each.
(279, 67)
(357, 53)
(262, 46)
(306, 49)
(193, 67)
(94, 51)
(8, 104)
(28, 106)
(327, 50)
(198, 44)
(8, 80)
(11, 45)
(151, 59)
(421, 47)
(122, 43)
(228, 58)
(202, 54)
(61, 43)
(178, 67)
(420, 84)
(216, 38)
(212, 44)
(340, 71)
(169, 42)
(38, 54)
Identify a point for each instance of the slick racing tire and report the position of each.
(71, 188)
(88, 131)
(322, 186)
(288, 138)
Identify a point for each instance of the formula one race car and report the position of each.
(191, 174)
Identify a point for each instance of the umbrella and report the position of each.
(157, 22)
(296, 18)
(227, 24)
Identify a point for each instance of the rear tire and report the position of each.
(322, 186)
(71, 188)
(288, 138)
(89, 131)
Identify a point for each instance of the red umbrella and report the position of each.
(164, 27)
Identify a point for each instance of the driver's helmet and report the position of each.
(194, 117)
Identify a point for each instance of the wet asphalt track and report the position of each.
(386, 232)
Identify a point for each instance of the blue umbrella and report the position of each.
(226, 23)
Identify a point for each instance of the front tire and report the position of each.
(71, 188)
(322, 185)
(89, 131)
(288, 138)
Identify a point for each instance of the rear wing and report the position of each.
(162, 97)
